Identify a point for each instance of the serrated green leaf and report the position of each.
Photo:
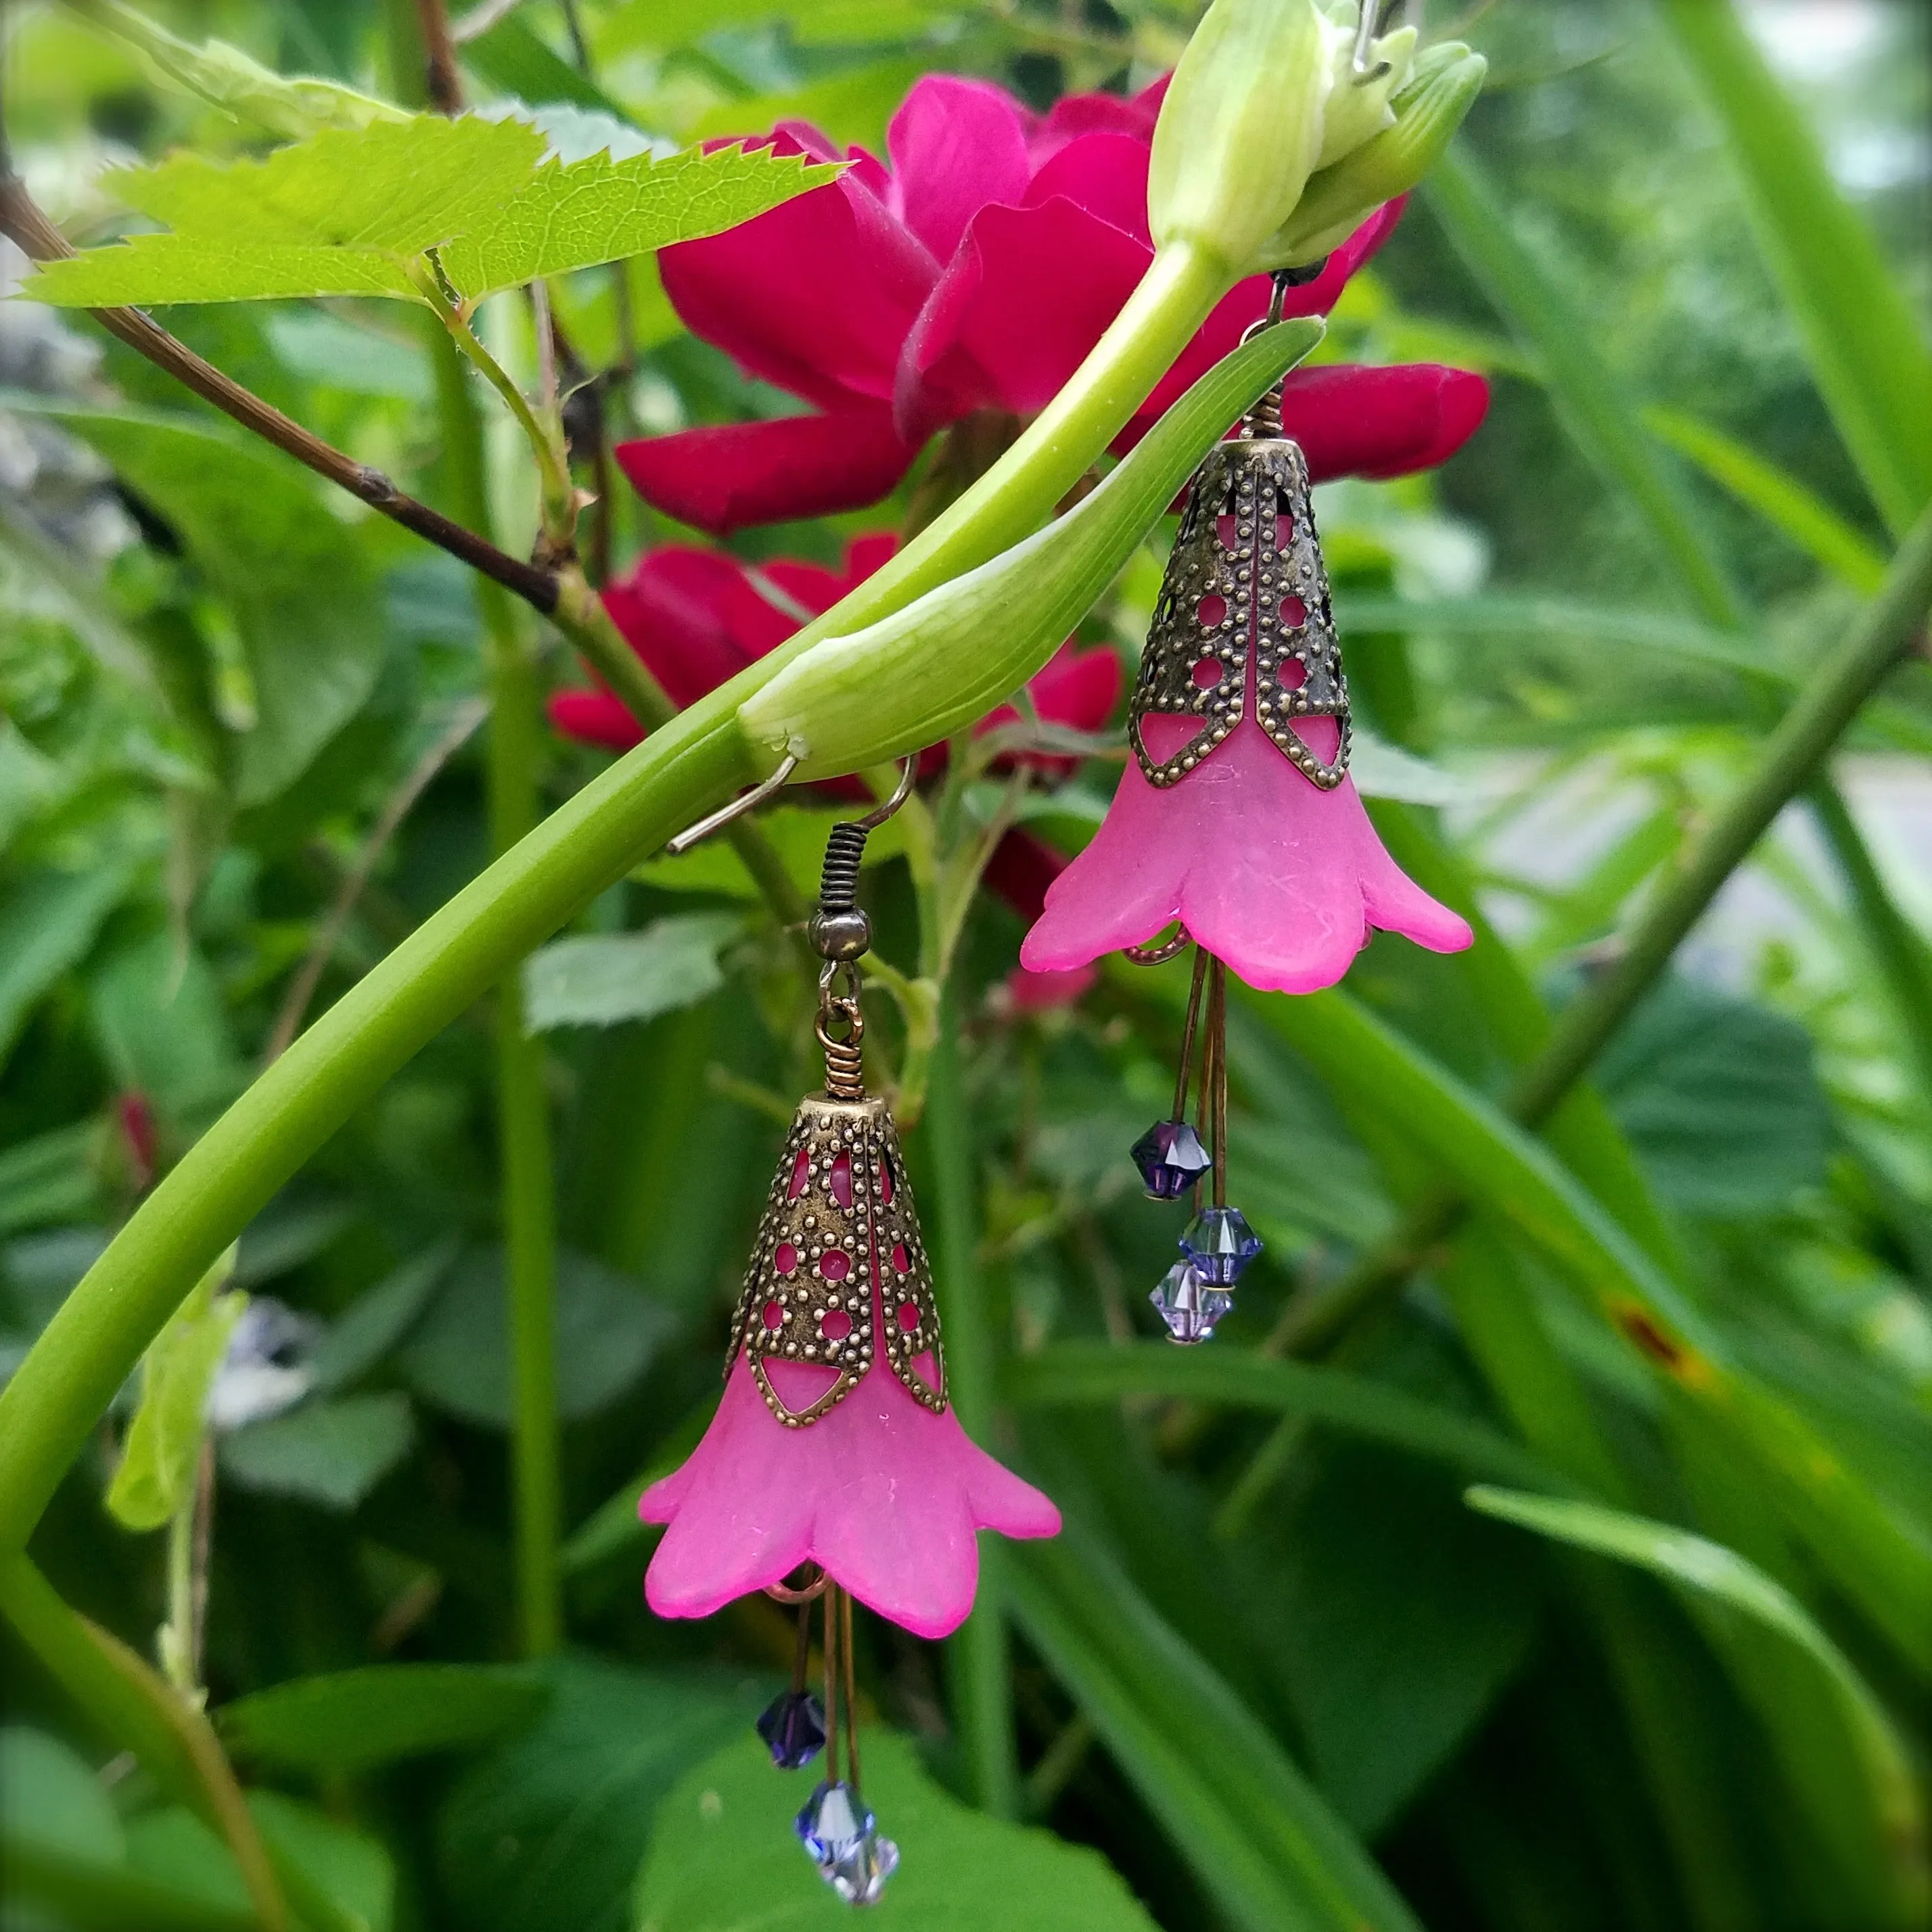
(1721, 1574)
(344, 212)
(350, 1720)
(724, 1859)
(225, 77)
(352, 212)
(601, 978)
(297, 579)
(157, 1473)
(599, 210)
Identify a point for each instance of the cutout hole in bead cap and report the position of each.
(1212, 610)
(835, 1266)
(1207, 672)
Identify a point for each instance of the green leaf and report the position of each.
(48, 922)
(349, 213)
(545, 1833)
(614, 1526)
(94, 1895)
(372, 1326)
(49, 1796)
(1262, 1844)
(1720, 1099)
(332, 1452)
(601, 980)
(607, 1330)
(599, 210)
(296, 579)
(1861, 1544)
(1588, 397)
(337, 1879)
(1866, 344)
(724, 1858)
(158, 1013)
(1064, 1373)
(511, 57)
(1724, 1576)
(351, 1720)
(50, 1178)
(851, 108)
(1784, 503)
(225, 77)
(156, 1472)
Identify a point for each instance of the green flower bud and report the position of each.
(1240, 130)
(949, 657)
(1441, 88)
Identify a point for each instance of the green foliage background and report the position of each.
(1278, 1672)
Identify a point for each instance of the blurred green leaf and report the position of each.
(48, 1796)
(1068, 1372)
(297, 579)
(1262, 1844)
(353, 1719)
(374, 1325)
(331, 1452)
(156, 1475)
(544, 1835)
(158, 1013)
(50, 1177)
(1708, 1568)
(94, 1895)
(603, 979)
(513, 60)
(48, 921)
(457, 1357)
(1778, 496)
(1867, 346)
(338, 1879)
(667, 24)
(1720, 1099)
(852, 108)
(724, 1859)
(1586, 395)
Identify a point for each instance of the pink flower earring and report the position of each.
(834, 1468)
(1236, 818)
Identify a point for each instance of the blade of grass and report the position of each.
(1067, 1373)
(1775, 494)
(1262, 1843)
(1864, 340)
(1898, 1844)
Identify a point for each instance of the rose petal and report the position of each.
(955, 145)
(815, 295)
(1021, 870)
(1106, 174)
(1077, 114)
(1353, 422)
(722, 479)
(595, 717)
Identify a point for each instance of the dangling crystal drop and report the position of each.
(1171, 1159)
(1220, 1244)
(1190, 1308)
(793, 1728)
(838, 1828)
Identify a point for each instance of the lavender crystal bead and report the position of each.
(1190, 1308)
(1220, 1244)
(1171, 1159)
(793, 1727)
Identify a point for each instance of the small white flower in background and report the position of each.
(265, 1369)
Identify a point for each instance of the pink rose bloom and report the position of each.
(976, 272)
(882, 1494)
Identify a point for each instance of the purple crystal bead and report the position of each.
(1171, 1159)
(1190, 1310)
(793, 1727)
(1220, 1244)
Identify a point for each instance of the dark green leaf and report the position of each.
(47, 923)
(369, 1329)
(1720, 1099)
(355, 1719)
(512, 59)
(331, 1452)
(158, 1012)
(724, 1858)
(296, 578)
(606, 1331)
(49, 1797)
(545, 1834)
(1262, 1844)
(49, 1178)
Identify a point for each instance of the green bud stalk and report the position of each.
(948, 657)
